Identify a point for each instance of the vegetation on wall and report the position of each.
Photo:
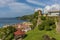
(47, 25)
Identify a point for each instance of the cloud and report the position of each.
(36, 9)
(4, 3)
(55, 7)
(46, 9)
(43, 2)
(36, 2)
(52, 8)
(19, 7)
(11, 8)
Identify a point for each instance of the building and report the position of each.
(40, 12)
(45, 15)
(19, 34)
(54, 13)
(5, 26)
(25, 26)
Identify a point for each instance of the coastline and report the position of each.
(4, 21)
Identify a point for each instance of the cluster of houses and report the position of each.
(25, 26)
(21, 29)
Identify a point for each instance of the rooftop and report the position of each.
(19, 32)
(54, 11)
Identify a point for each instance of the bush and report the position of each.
(43, 18)
(47, 28)
(46, 37)
(47, 25)
(50, 22)
(7, 33)
(41, 27)
(53, 39)
(32, 27)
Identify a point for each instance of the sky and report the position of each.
(15, 8)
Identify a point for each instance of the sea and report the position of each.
(10, 21)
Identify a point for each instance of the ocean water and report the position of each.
(9, 21)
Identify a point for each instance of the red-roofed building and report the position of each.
(19, 34)
(24, 26)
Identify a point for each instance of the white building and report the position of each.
(52, 10)
(54, 13)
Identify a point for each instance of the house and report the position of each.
(5, 26)
(54, 13)
(19, 26)
(24, 26)
(19, 34)
(27, 23)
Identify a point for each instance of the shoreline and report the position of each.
(10, 22)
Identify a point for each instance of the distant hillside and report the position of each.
(7, 18)
(25, 17)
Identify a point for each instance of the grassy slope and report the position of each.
(37, 35)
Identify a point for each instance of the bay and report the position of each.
(9, 21)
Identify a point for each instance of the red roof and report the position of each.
(19, 32)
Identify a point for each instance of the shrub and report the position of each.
(47, 28)
(47, 25)
(41, 26)
(45, 37)
(53, 39)
(50, 22)
(43, 18)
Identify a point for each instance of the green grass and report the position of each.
(37, 34)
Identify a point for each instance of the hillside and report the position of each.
(46, 29)
(37, 35)
(25, 17)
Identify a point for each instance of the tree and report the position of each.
(41, 27)
(43, 18)
(47, 25)
(7, 33)
(53, 39)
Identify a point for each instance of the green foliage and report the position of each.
(41, 27)
(53, 38)
(34, 20)
(43, 18)
(35, 15)
(47, 25)
(32, 27)
(10, 37)
(47, 28)
(45, 37)
(36, 34)
(25, 17)
(7, 33)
